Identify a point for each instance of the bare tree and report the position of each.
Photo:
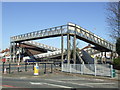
(113, 19)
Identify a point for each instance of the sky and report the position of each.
(24, 17)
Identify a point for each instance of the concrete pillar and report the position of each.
(68, 48)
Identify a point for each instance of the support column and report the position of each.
(51, 68)
(68, 48)
(19, 58)
(45, 69)
(74, 47)
(62, 48)
(111, 57)
(10, 57)
(19, 53)
(11, 52)
(105, 57)
(14, 52)
(102, 57)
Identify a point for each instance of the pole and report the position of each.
(51, 67)
(33, 65)
(45, 69)
(25, 66)
(10, 57)
(62, 45)
(68, 48)
(74, 48)
(14, 52)
(19, 58)
(3, 67)
(9, 68)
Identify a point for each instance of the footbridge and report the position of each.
(69, 29)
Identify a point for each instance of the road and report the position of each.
(56, 80)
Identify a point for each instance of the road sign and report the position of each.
(3, 60)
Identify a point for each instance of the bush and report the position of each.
(116, 61)
(118, 46)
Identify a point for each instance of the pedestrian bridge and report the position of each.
(71, 29)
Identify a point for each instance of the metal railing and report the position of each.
(40, 45)
(41, 33)
(90, 36)
(89, 69)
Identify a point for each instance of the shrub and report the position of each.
(116, 61)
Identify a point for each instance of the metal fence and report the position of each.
(90, 69)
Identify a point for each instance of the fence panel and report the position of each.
(103, 70)
(91, 69)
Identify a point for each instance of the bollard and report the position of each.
(25, 66)
(36, 69)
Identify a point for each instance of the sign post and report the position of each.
(3, 60)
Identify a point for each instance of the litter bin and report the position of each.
(36, 69)
(113, 73)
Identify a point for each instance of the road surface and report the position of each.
(56, 80)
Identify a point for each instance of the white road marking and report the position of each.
(70, 83)
(22, 77)
(37, 83)
(99, 83)
(98, 79)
